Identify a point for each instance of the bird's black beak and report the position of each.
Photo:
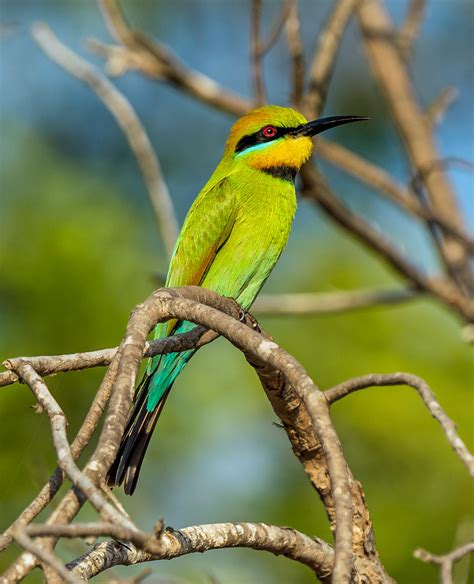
(323, 124)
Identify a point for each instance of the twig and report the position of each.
(314, 553)
(63, 450)
(295, 49)
(437, 110)
(357, 383)
(410, 28)
(52, 364)
(79, 443)
(329, 303)
(329, 42)
(127, 120)
(377, 178)
(315, 187)
(276, 28)
(46, 557)
(156, 61)
(445, 562)
(256, 52)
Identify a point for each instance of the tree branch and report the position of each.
(328, 45)
(390, 72)
(126, 119)
(330, 302)
(312, 552)
(449, 427)
(445, 562)
(256, 52)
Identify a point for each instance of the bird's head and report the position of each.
(274, 136)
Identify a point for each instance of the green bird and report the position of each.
(231, 239)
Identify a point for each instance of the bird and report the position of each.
(232, 237)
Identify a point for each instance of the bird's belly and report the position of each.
(241, 267)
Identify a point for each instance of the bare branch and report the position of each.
(357, 383)
(445, 562)
(314, 553)
(156, 61)
(329, 42)
(256, 52)
(315, 187)
(47, 558)
(127, 120)
(390, 72)
(63, 450)
(276, 28)
(330, 302)
(79, 443)
(295, 48)
(385, 186)
(437, 110)
(410, 28)
(52, 364)
(169, 303)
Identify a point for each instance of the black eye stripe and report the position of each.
(259, 138)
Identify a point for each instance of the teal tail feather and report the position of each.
(150, 398)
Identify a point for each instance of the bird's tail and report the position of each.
(150, 399)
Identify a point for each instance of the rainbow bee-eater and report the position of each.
(230, 241)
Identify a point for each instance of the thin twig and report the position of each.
(275, 304)
(127, 120)
(357, 383)
(156, 61)
(256, 52)
(446, 561)
(276, 28)
(46, 557)
(295, 49)
(380, 180)
(329, 42)
(329, 303)
(410, 28)
(52, 364)
(437, 110)
(315, 187)
(81, 440)
(63, 450)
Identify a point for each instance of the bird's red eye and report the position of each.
(269, 131)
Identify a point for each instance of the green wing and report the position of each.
(206, 228)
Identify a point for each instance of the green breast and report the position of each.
(266, 208)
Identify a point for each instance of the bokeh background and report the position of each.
(79, 248)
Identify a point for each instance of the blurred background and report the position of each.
(79, 248)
